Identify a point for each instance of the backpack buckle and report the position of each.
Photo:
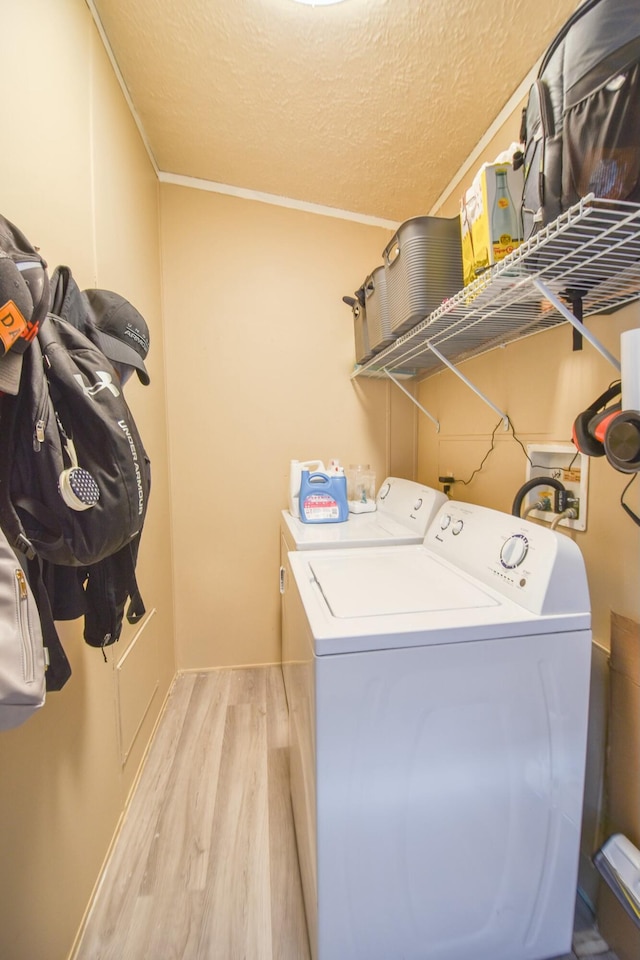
(25, 546)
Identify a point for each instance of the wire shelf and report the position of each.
(591, 254)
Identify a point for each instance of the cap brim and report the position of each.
(119, 352)
(10, 371)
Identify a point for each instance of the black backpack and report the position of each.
(74, 475)
(581, 125)
(98, 593)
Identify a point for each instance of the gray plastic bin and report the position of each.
(377, 308)
(423, 266)
(360, 328)
(361, 333)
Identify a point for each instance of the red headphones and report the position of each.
(590, 426)
(601, 431)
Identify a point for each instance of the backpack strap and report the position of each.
(136, 609)
(9, 519)
(109, 583)
(58, 667)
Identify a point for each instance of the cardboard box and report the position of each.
(623, 774)
(623, 806)
(619, 931)
(490, 218)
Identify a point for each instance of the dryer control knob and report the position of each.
(514, 550)
(457, 527)
(417, 504)
(445, 520)
(383, 492)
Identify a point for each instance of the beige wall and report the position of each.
(78, 182)
(259, 351)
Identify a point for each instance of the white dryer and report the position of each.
(438, 723)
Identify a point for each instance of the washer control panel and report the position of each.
(519, 558)
(409, 503)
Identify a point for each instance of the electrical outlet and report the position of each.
(562, 462)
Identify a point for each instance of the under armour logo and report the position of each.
(104, 382)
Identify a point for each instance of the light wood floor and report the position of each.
(205, 865)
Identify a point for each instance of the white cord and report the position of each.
(569, 514)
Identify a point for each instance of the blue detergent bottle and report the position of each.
(323, 498)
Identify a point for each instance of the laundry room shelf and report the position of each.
(588, 259)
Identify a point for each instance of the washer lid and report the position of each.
(377, 586)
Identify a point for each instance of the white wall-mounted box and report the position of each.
(562, 462)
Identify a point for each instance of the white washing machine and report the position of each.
(438, 722)
(403, 512)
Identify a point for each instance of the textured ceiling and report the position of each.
(369, 106)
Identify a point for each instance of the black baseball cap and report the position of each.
(121, 331)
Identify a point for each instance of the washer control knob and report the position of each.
(417, 504)
(445, 520)
(457, 527)
(384, 490)
(514, 550)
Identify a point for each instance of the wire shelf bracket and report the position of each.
(465, 380)
(413, 400)
(575, 322)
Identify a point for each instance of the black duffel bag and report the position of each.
(581, 124)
